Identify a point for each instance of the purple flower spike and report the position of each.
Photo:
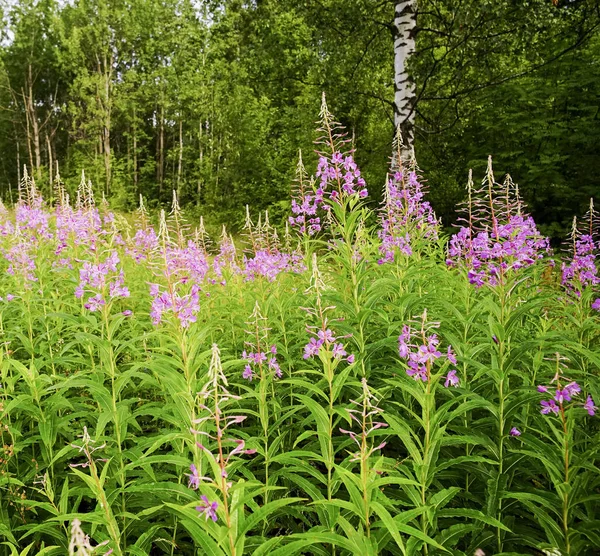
(405, 217)
(589, 406)
(581, 271)
(542, 389)
(274, 366)
(209, 509)
(515, 432)
(596, 304)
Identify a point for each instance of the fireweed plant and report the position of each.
(580, 277)
(565, 453)
(377, 388)
(405, 216)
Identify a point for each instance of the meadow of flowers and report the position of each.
(356, 383)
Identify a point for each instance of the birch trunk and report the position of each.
(180, 159)
(405, 27)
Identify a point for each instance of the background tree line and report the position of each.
(214, 98)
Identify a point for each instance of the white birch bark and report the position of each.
(405, 26)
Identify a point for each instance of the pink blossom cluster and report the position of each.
(404, 213)
(94, 278)
(581, 271)
(184, 307)
(21, 259)
(562, 396)
(143, 244)
(305, 217)
(81, 226)
(187, 264)
(225, 258)
(326, 339)
(420, 355)
(270, 264)
(6, 226)
(339, 176)
(488, 256)
(33, 220)
(256, 359)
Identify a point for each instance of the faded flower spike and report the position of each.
(260, 355)
(79, 544)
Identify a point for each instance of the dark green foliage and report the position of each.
(215, 99)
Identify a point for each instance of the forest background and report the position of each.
(214, 99)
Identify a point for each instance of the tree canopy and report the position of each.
(214, 99)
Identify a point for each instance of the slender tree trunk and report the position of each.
(104, 99)
(97, 152)
(35, 129)
(106, 149)
(220, 193)
(28, 129)
(107, 123)
(161, 148)
(50, 165)
(200, 162)
(180, 160)
(129, 158)
(18, 163)
(135, 163)
(405, 27)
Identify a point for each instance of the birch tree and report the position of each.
(405, 26)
